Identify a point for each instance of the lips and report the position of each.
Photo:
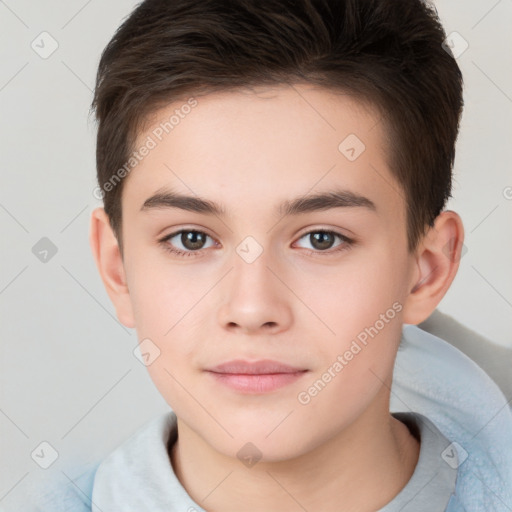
(256, 377)
(263, 367)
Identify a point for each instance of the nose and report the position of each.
(254, 300)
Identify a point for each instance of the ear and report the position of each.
(437, 261)
(110, 265)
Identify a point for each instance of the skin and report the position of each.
(295, 303)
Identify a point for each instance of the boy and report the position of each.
(274, 176)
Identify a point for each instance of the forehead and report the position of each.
(264, 146)
(283, 111)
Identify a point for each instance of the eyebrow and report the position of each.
(164, 198)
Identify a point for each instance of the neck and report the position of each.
(361, 468)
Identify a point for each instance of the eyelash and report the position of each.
(347, 243)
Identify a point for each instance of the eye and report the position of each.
(186, 242)
(322, 240)
(191, 242)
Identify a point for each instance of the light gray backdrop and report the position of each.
(68, 373)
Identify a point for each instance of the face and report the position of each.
(252, 268)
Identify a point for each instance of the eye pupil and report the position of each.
(322, 240)
(192, 239)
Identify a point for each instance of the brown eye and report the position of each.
(186, 242)
(322, 240)
(193, 240)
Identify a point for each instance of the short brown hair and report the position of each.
(386, 52)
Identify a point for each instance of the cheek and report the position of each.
(164, 297)
(358, 360)
(361, 304)
(166, 308)
(355, 295)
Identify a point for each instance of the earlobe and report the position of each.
(110, 265)
(437, 261)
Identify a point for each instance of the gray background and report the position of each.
(68, 373)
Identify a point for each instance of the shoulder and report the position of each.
(455, 505)
(72, 493)
(435, 379)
